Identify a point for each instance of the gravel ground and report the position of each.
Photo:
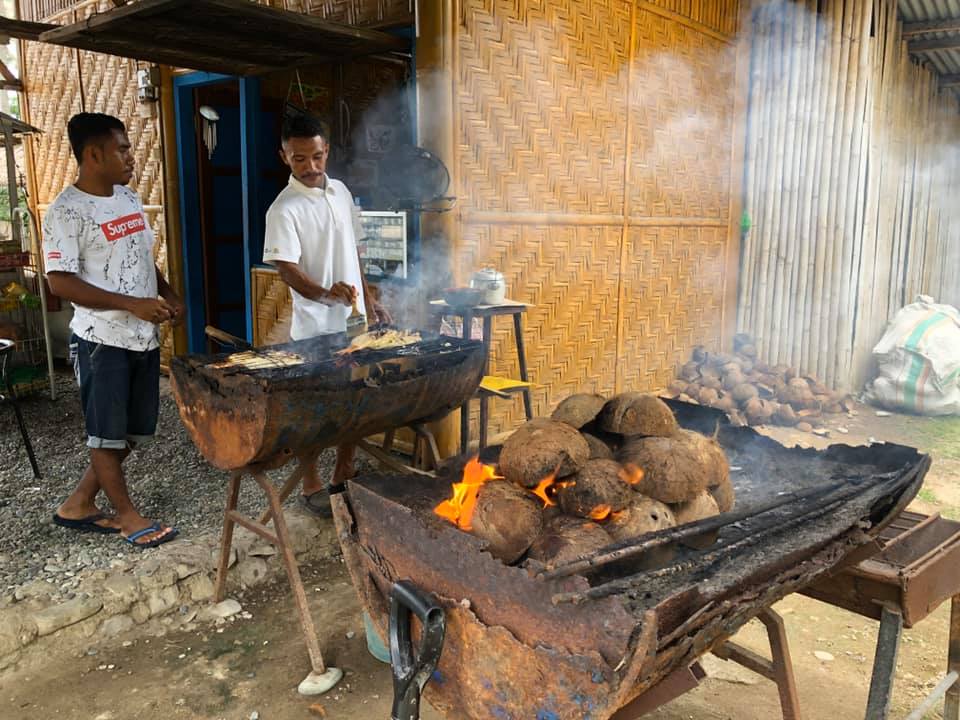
(168, 480)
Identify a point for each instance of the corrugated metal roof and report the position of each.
(924, 45)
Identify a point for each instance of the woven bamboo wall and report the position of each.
(593, 162)
(60, 82)
(853, 174)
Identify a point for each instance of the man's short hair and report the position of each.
(304, 125)
(86, 128)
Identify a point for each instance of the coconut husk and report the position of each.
(724, 495)
(579, 410)
(690, 372)
(744, 392)
(754, 412)
(708, 396)
(565, 539)
(701, 507)
(733, 378)
(725, 403)
(643, 515)
(713, 383)
(786, 416)
(507, 518)
(637, 414)
(804, 427)
(675, 469)
(833, 409)
(598, 484)
(540, 448)
(599, 450)
(677, 387)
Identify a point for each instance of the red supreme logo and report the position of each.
(121, 227)
(54, 255)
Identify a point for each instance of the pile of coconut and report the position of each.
(754, 393)
(596, 472)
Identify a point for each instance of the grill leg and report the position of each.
(884, 664)
(782, 664)
(293, 575)
(951, 705)
(303, 463)
(226, 538)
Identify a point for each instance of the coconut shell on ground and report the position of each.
(643, 515)
(675, 469)
(579, 410)
(541, 447)
(566, 538)
(507, 518)
(637, 414)
(598, 483)
(599, 450)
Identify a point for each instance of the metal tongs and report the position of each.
(412, 672)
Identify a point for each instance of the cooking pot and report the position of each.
(492, 283)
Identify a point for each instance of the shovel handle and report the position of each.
(225, 338)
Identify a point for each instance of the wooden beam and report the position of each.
(944, 43)
(913, 29)
(7, 73)
(950, 81)
(23, 30)
(11, 85)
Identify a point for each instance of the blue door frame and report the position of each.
(185, 111)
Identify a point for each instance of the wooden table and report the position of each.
(488, 312)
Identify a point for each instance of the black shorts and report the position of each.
(119, 393)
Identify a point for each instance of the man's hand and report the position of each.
(154, 310)
(340, 293)
(178, 310)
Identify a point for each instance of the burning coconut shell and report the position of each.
(675, 469)
(507, 518)
(566, 538)
(595, 491)
(540, 448)
(579, 410)
(638, 415)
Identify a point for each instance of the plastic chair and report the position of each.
(9, 395)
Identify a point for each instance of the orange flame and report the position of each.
(541, 490)
(600, 512)
(459, 509)
(631, 474)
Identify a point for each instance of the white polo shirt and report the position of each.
(106, 242)
(317, 229)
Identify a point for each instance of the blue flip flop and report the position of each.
(156, 527)
(86, 524)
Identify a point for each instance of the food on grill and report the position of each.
(674, 468)
(579, 410)
(643, 515)
(259, 360)
(597, 485)
(381, 340)
(566, 538)
(541, 448)
(599, 450)
(507, 518)
(637, 414)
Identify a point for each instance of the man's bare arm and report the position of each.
(71, 288)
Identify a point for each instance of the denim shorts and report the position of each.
(119, 393)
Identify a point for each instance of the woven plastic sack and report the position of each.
(918, 361)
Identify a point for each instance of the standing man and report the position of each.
(311, 238)
(98, 248)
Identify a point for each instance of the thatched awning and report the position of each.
(237, 37)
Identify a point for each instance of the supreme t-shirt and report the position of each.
(107, 242)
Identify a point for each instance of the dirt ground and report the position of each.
(253, 666)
